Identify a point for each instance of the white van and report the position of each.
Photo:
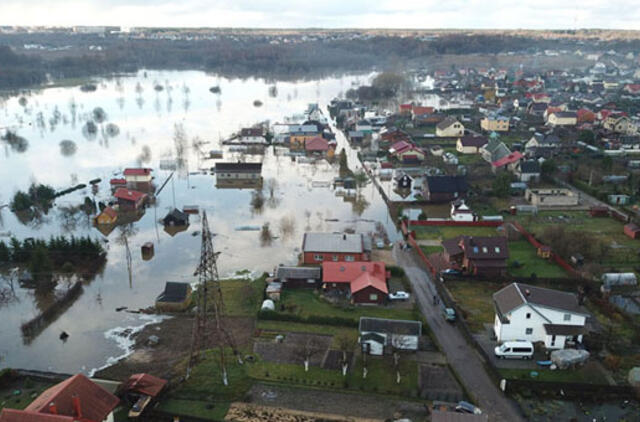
(514, 350)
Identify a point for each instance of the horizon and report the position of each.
(541, 15)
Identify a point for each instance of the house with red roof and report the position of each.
(405, 108)
(364, 282)
(76, 399)
(585, 115)
(407, 152)
(137, 175)
(129, 199)
(316, 145)
(508, 162)
(633, 89)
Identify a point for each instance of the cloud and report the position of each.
(534, 14)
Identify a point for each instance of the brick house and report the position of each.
(335, 247)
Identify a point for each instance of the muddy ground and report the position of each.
(167, 358)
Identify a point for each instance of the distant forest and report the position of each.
(244, 55)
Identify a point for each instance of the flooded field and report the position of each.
(138, 120)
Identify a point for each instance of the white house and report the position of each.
(137, 175)
(449, 127)
(379, 335)
(525, 312)
(461, 211)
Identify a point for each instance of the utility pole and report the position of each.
(208, 280)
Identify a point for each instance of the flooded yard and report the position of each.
(143, 120)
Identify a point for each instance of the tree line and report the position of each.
(58, 254)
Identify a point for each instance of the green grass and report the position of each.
(278, 327)
(19, 393)
(476, 300)
(308, 303)
(195, 408)
(448, 232)
(241, 297)
(428, 250)
(606, 229)
(526, 255)
(381, 376)
(587, 374)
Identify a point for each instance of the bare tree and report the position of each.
(308, 350)
(399, 342)
(346, 344)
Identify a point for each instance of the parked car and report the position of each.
(466, 407)
(451, 271)
(399, 296)
(449, 314)
(514, 350)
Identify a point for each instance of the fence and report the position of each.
(412, 242)
(536, 244)
(570, 390)
(452, 223)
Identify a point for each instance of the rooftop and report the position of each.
(333, 242)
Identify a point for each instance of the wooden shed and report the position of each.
(147, 251)
(632, 230)
(599, 211)
(544, 251)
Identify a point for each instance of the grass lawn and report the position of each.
(308, 303)
(526, 255)
(241, 297)
(194, 408)
(278, 327)
(381, 376)
(475, 298)
(18, 394)
(606, 229)
(428, 250)
(589, 374)
(448, 232)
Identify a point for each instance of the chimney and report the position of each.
(76, 406)
(53, 409)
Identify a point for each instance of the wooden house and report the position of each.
(176, 297)
(632, 230)
(130, 199)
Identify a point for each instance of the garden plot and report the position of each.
(293, 348)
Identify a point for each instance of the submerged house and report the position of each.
(130, 200)
(137, 175)
(176, 218)
(176, 297)
(107, 216)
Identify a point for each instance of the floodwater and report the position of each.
(146, 117)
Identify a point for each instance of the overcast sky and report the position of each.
(529, 14)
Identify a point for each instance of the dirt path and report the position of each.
(164, 359)
(461, 356)
(336, 403)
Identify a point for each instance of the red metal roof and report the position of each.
(316, 144)
(129, 195)
(400, 147)
(368, 280)
(137, 172)
(118, 181)
(345, 272)
(145, 384)
(14, 415)
(95, 402)
(420, 110)
(508, 159)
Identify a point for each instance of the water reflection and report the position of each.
(180, 135)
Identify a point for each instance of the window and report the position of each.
(528, 331)
(349, 258)
(521, 350)
(334, 258)
(484, 249)
(567, 317)
(528, 315)
(373, 297)
(318, 257)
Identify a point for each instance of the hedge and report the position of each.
(312, 319)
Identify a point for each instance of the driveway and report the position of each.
(461, 356)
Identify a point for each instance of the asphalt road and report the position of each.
(462, 357)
